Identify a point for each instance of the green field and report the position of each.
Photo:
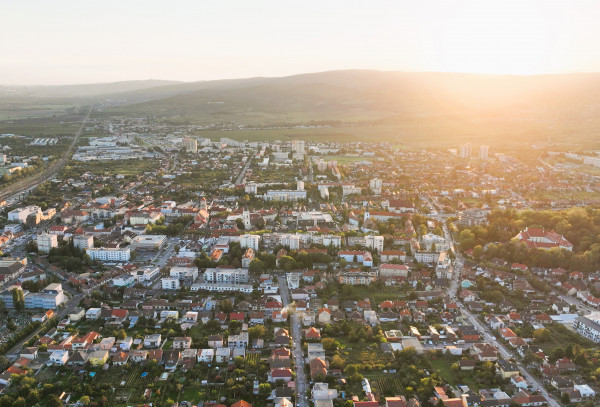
(341, 159)
(125, 167)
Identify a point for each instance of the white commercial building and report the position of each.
(148, 242)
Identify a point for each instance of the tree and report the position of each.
(10, 324)
(18, 299)
(264, 388)
(85, 400)
(287, 263)
(478, 252)
(240, 224)
(337, 362)
(466, 239)
(330, 344)
(121, 334)
(257, 331)
(257, 267)
(542, 335)
(226, 306)
(54, 401)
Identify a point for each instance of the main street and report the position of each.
(301, 383)
(484, 329)
(507, 354)
(242, 174)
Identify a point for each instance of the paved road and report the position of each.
(578, 303)
(60, 314)
(507, 354)
(484, 329)
(242, 174)
(301, 383)
(16, 189)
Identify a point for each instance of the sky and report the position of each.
(66, 42)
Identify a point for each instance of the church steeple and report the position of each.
(246, 219)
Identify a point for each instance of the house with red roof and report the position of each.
(507, 333)
(538, 238)
(312, 333)
(280, 374)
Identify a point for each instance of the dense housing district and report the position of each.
(162, 268)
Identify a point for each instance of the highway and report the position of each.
(301, 383)
(16, 189)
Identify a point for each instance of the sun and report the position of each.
(495, 38)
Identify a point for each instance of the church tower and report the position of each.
(246, 219)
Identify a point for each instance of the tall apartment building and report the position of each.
(465, 150)
(46, 241)
(190, 145)
(83, 241)
(248, 241)
(483, 152)
(376, 185)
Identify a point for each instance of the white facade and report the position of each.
(170, 283)
(83, 241)
(483, 152)
(284, 195)
(221, 288)
(465, 150)
(291, 241)
(376, 185)
(184, 273)
(588, 326)
(49, 298)
(109, 254)
(374, 242)
(226, 276)
(249, 241)
(46, 241)
(20, 214)
(126, 280)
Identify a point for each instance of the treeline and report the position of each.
(174, 228)
(515, 252)
(5, 347)
(69, 257)
(580, 226)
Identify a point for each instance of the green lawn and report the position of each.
(562, 336)
(443, 367)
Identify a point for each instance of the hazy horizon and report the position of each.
(68, 42)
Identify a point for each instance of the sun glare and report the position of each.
(505, 38)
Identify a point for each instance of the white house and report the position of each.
(58, 358)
